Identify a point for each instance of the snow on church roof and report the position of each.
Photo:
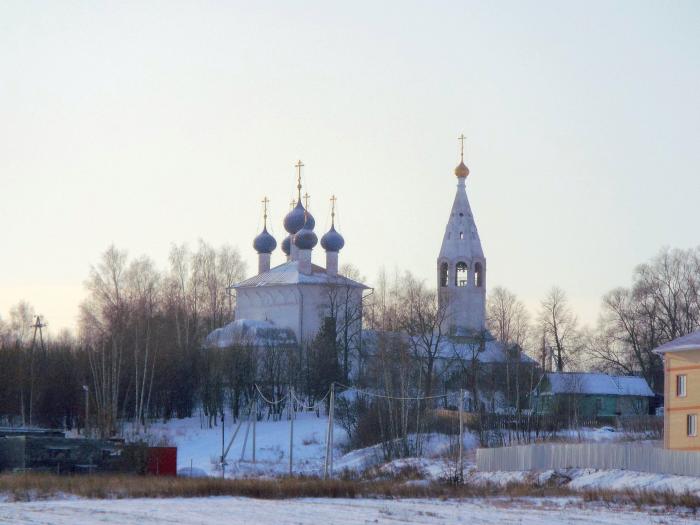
(593, 383)
(247, 332)
(682, 344)
(288, 273)
(453, 348)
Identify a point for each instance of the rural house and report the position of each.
(588, 395)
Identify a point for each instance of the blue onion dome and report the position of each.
(310, 223)
(264, 243)
(332, 241)
(305, 239)
(287, 245)
(294, 221)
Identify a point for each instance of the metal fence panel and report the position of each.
(551, 456)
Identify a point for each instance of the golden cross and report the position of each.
(306, 200)
(462, 138)
(265, 201)
(298, 166)
(292, 203)
(333, 199)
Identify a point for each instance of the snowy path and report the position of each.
(235, 511)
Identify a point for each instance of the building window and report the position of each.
(479, 274)
(692, 425)
(680, 385)
(443, 274)
(461, 235)
(461, 275)
(598, 404)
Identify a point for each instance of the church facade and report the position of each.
(289, 303)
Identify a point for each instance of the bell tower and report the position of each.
(461, 265)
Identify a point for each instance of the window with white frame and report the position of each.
(680, 385)
(692, 425)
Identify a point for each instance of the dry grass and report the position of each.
(24, 487)
(642, 498)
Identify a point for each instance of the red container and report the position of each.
(162, 461)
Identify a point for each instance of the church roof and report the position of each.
(492, 352)
(451, 348)
(247, 332)
(461, 239)
(289, 274)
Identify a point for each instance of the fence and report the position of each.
(552, 456)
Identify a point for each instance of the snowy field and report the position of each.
(235, 511)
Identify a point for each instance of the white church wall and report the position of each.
(299, 307)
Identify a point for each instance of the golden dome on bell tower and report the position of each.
(461, 171)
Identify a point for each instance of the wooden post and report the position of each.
(291, 429)
(255, 418)
(461, 434)
(223, 455)
(331, 419)
(328, 438)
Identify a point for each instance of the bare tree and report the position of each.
(509, 321)
(422, 318)
(559, 328)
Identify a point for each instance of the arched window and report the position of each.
(461, 275)
(443, 274)
(479, 274)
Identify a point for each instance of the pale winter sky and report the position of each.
(148, 123)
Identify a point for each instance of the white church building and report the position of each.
(288, 303)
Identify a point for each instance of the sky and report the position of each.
(143, 124)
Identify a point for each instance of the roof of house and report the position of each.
(597, 384)
(681, 344)
(288, 273)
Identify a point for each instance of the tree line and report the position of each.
(139, 346)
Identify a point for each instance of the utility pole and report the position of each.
(38, 325)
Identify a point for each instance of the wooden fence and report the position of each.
(551, 456)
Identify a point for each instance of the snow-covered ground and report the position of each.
(235, 511)
(200, 447)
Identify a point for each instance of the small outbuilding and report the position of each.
(590, 395)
